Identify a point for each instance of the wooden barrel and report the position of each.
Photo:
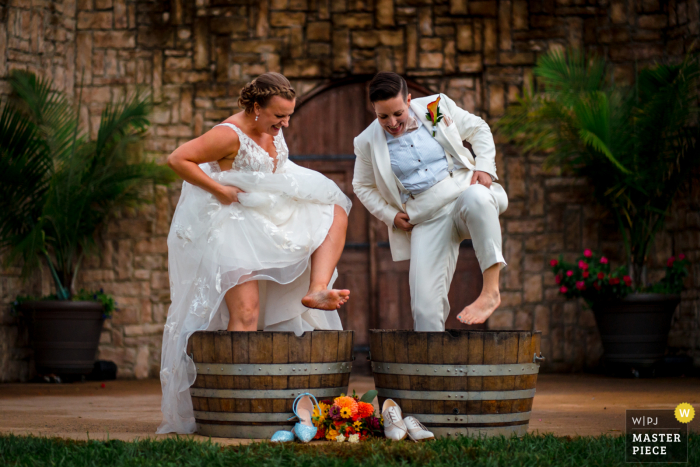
(246, 381)
(459, 382)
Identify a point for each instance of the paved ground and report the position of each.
(564, 405)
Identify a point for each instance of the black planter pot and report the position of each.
(634, 330)
(65, 335)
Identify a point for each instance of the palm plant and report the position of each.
(637, 145)
(58, 187)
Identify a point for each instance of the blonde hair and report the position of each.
(263, 88)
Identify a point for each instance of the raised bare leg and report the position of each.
(243, 302)
(488, 301)
(323, 263)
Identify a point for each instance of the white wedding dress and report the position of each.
(268, 236)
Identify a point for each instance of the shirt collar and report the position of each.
(412, 125)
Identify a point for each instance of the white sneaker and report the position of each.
(416, 431)
(394, 427)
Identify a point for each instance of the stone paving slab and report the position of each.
(565, 405)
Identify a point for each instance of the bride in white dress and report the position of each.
(254, 240)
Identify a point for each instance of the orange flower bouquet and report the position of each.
(348, 418)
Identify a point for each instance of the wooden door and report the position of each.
(320, 137)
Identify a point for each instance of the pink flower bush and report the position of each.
(553, 262)
(603, 260)
(587, 253)
(569, 273)
(670, 261)
(580, 285)
(563, 289)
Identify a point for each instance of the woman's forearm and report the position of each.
(191, 173)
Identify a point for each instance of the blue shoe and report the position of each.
(282, 436)
(303, 409)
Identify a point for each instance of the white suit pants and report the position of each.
(435, 248)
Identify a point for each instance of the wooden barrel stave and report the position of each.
(460, 348)
(226, 416)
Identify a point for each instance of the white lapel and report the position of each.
(448, 139)
(383, 161)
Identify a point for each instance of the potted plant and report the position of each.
(637, 145)
(58, 189)
(633, 325)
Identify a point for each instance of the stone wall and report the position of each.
(194, 56)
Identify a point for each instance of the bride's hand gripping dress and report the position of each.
(282, 216)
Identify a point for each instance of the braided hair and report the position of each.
(263, 88)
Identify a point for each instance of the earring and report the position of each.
(256, 117)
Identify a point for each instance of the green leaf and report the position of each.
(369, 396)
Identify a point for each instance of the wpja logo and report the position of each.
(658, 435)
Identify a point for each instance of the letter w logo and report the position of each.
(684, 412)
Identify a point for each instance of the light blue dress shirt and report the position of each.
(417, 159)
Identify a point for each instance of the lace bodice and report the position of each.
(252, 157)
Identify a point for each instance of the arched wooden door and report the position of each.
(320, 137)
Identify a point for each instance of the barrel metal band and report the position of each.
(242, 417)
(456, 395)
(417, 369)
(266, 393)
(274, 369)
(469, 418)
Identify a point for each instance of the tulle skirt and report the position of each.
(268, 236)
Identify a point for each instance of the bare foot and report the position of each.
(325, 299)
(481, 309)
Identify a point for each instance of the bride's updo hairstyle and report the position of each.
(263, 88)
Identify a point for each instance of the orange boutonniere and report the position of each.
(434, 114)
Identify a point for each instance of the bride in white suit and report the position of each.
(254, 240)
(413, 173)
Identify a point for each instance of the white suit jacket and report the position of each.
(374, 181)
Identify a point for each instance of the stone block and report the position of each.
(94, 20)
(114, 39)
(465, 37)
(411, 46)
(229, 25)
(504, 23)
(201, 44)
(318, 31)
(520, 15)
(525, 226)
(652, 21)
(516, 58)
(384, 13)
(490, 41)
(306, 68)
(391, 38)
(431, 44)
(496, 100)
(533, 288)
(431, 60)
(458, 7)
(523, 320)
(142, 366)
(480, 8)
(352, 20)
(511, 299)
(500, 319)
(618, 12)
(542, 313)
(286, 19)
(425, 21)
(470, 63)
(365, 39)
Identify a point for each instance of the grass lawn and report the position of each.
(533, 451)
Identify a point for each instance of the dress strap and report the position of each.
(231, 126)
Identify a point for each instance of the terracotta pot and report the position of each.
(64, 334)
(634, 330)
